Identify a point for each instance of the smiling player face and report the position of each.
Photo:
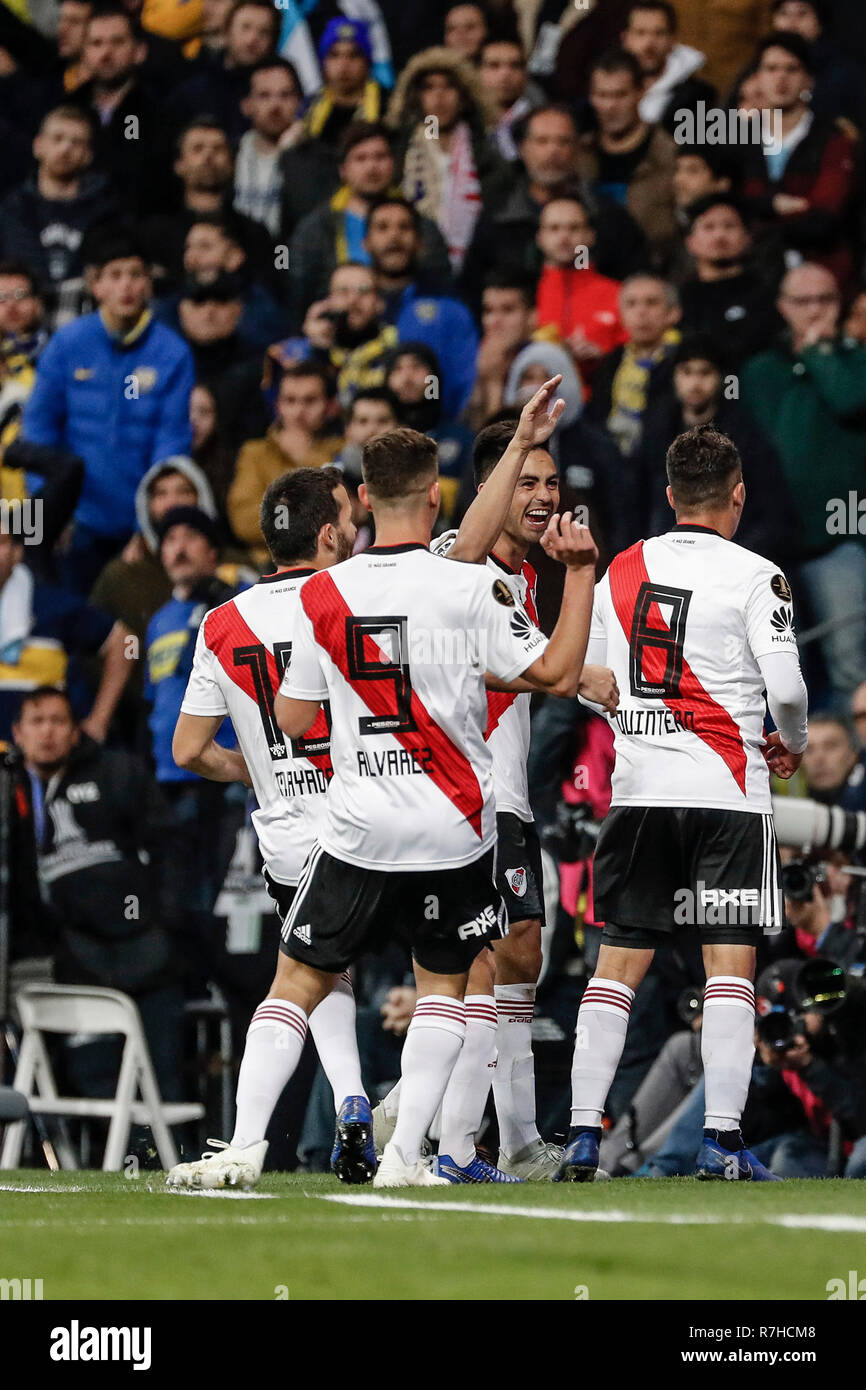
(536, 498)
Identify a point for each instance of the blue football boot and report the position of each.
(580, 1160)
(479, 1170)
(353, 1157)
(716, 1162)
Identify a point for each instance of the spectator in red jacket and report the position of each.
(803, 185)
(582, 305)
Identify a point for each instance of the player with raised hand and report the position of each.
(498, 1040)
(696, 629)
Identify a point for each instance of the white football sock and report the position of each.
(727, 1048)
(599, 1038)
(332, 1025)
(275, 1041)
(432, 1046)
(469, 1084)
(514, 1077)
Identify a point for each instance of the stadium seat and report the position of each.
(84, 1009)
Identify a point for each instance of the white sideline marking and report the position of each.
(222, 1192)
(819, 1223)
(61, 1187)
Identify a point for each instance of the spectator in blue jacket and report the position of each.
(393, 243)
(113, 388)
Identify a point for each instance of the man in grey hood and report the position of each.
(669, 67)
(134, 584)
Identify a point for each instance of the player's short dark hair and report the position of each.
(294, 509)
(661, 6)
(512, 39)
(398, 463)
(44, 692)
(386, 200)
(110, 10)
(702, 465)
(383, 394)
(268, 65)
(795, 44)
(513, 279)
(490, 444)
(21, 270)
(357, 132)
(618, 60)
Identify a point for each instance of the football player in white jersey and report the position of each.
(498, 1042)
(696, 629)
(242, 649)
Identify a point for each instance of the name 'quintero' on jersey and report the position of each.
(242, 650)
(400, 649)
(683, 620)
(507, 731)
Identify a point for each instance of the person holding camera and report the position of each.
(813, 1032)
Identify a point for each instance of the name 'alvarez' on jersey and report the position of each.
(683, 619)
(400, 643)
(507, 731)
(242, 650)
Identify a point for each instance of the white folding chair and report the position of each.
(85, 1009)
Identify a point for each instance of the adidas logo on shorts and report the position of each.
(303, 933)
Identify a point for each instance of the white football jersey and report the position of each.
(682, 619)
(242, 650)
(507, 713)
(400, 644)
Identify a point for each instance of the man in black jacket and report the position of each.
(701, 392)
(101, 826)
(43, 222)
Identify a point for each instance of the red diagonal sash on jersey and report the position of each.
(498, 701)
(452, 772)
(713, 724)
(225, 629)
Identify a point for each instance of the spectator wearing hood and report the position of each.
(310, 168)
(413, 373)
(134, 584)
(335, 231)
(44, 221)
(669, 68)
(590, 467)
(442, 114)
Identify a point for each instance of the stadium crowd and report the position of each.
(239, 238)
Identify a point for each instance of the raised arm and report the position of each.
(486, 517)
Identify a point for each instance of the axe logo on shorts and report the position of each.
(516, 880)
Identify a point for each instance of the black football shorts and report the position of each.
(444, 916)
(657, 868)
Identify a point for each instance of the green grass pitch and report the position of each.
(104, 1236)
